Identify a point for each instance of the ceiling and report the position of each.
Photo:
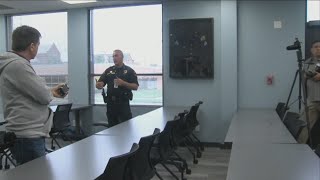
(27, 6)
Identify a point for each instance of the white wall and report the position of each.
(188, 92)
(247, 49)
(229, 65)
(78, 53)
(262, 50)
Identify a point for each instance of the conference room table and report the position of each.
(87, 159)
(83, 160)
(264, 149)
(76, 108)
(273, 162)
(145, 124)
(258, 125)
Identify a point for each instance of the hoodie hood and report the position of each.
(6, 58)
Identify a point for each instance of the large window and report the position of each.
(51, 63)
(137, 31)
(313, 10)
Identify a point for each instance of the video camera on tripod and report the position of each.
(296, 45)
(302, 96)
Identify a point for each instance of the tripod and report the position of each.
(302, 86)
(299, 73)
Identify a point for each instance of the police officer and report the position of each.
(120, 80)
(312, 76)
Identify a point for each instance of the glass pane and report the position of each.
(51, 62)
(149, 92)
(137, 31)
(313, 10)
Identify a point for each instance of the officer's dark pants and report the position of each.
(118, 112)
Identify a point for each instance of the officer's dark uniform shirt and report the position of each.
(125, 73)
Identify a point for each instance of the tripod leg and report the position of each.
(292, 86)
(306, 107)
(300, 85)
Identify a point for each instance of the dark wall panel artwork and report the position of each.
(191, 48)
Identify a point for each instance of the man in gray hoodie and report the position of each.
(25, 96)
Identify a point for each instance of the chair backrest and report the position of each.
(7, 139)
(317, 150)
(140, 165)
(191, 117)
(281, 109)
(294, 124)
(3, 123)
(165, 140)
(117, 166)
(180, 130)
(61, 118)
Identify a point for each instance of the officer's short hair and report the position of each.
(118, 50)
(314, 42)
(23, 36)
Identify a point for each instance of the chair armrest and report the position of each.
(183, 113)
(3, 123)
(101, 124)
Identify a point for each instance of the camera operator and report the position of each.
(312, 75)
(25, 96)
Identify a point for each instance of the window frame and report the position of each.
(307, 13)
(91, 54)
(9, 30)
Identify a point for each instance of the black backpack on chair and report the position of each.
(7, 140)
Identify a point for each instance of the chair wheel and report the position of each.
(53, 147)
(188, 171)
(195, 161)
(199, 154)
(7, 166)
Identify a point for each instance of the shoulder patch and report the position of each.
(110, 70)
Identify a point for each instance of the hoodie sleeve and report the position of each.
(23, 77)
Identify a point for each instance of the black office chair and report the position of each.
(117, 168)
(294, 124)
(180, 136)
(140, 165)
(3, 123)
(317, 150)
(194, 122)
(191, 122)
(7, 140)
(61, 123)
(163, 151)
(281, 109)
(315, 135)
(102, 123)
